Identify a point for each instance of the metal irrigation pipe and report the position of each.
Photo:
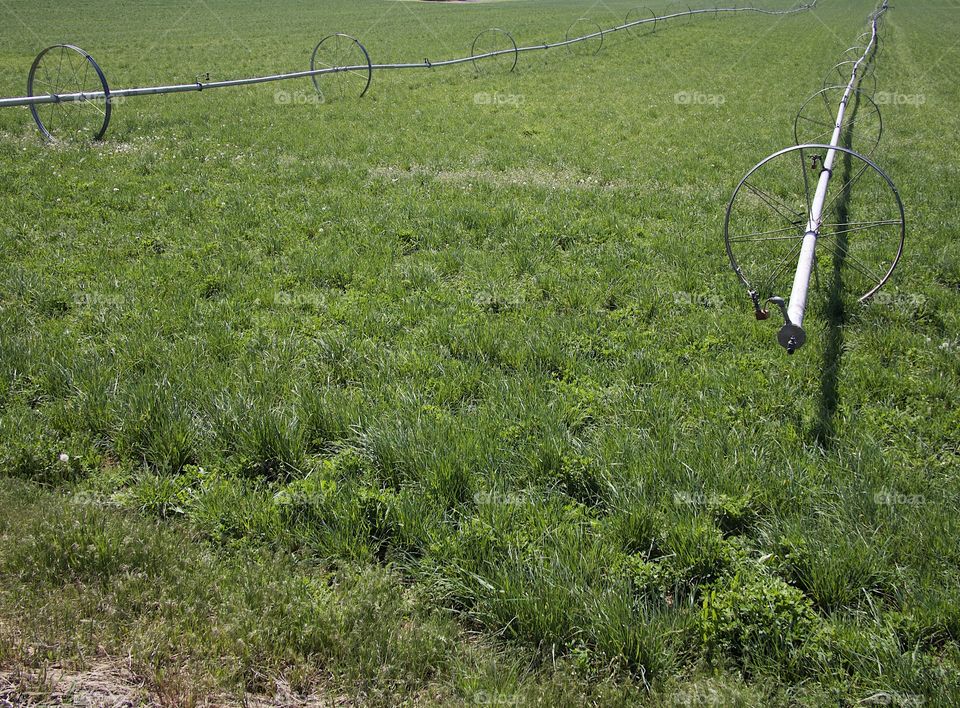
(792, 335)
(108, 94)
(751, 198)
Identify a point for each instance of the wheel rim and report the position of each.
(336, 51)
(841, 72)
(862, 127)
(635, 15)
(66, 69)
(854, 53)
(581, 28)
(494, 40)
(861, 234)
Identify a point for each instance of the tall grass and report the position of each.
(491, 353)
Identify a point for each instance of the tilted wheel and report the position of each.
(349, 63)
(682, 9)
(841, 72)
(864, 40)
(862, 124)
(64, 70)
(494, 51)
(861, 231)
(637, 14)
(855, 53)
(592, 34)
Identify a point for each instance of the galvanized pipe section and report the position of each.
(425, 64)
(791, 335)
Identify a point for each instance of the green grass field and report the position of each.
(448, 395)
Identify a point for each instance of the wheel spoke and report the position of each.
(850, 260)
(857, 118)
(767, 235)
(94, 105)
(46, 72)
(860, 226)
(747, 239)
(54, 113)
(83, 81)
(847, 185)
(777, 205)
(59, 69)
(817, 138)
(783, 263)
(73, 68)
(831, 126)
(358, 75)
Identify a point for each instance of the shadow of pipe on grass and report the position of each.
(824, 428)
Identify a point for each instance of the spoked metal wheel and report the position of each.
(864, 40)
(637, 14)
(494, 51)
(854, 53)
(679, 8)
(841, 72)
(584, 27)
(861, 232)
(64, 69)
(862, 124)
(350, 61)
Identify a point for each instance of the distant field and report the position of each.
(472, 346)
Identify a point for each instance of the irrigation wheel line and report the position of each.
(72, 87)
(766, 220)
(776, 216)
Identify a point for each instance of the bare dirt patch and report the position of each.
(110, 683)
(105, 683)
